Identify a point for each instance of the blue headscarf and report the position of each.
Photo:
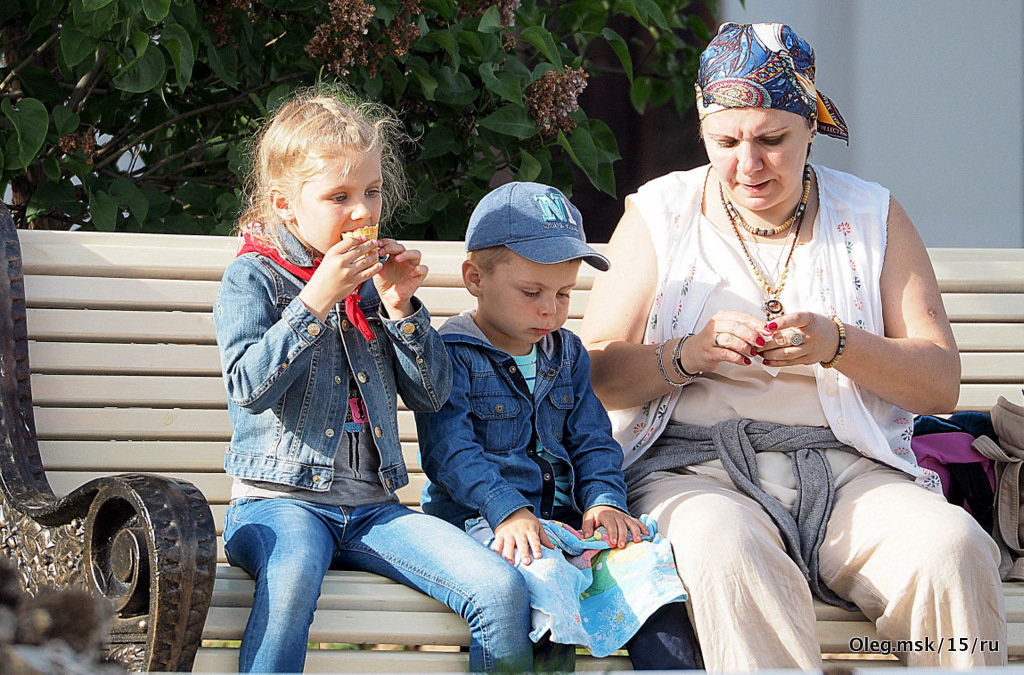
(764, 65)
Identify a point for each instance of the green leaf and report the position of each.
(529, 167)
(140, 43)
(446, 40)
(103, 211)
(640, 93)
(156, 10)
(59, 196)
(31, 122)
(224, 62)
(542, 40)
(75, 46)
(511, 120)
(178, 44)
(93, 5)
(51, 167)
(437, 142)
(130, 196)
(500, 83)
(490, 22)
(428, 83)
(64, 121)
(621, 50)
(143, 74)
(584, 154)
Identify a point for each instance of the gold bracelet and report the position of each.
(841, 347)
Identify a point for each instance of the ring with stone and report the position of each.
(796, 339)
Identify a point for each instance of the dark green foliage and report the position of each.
(134, 114)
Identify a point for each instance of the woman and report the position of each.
(764, 330)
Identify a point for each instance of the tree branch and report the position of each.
(29, 59)
(193, 113)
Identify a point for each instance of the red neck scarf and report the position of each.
(352, 310)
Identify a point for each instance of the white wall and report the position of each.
(933, 92)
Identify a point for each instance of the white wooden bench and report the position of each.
(125, 376)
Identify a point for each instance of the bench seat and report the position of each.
(125, 377)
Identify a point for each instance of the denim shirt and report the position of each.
(287, 374)
(479, 450)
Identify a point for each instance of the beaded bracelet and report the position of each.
(841, 347)
(677, 362)
(661, 366)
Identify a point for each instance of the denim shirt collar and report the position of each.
(462, 328)
(292, 249)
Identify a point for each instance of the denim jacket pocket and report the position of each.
(561, 399)
(496, 418)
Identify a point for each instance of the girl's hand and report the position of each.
(801, 338)
(731, 337)
(399, 277)
(521, 531)
(345, 267)
(621, 527)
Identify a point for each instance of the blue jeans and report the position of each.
(287, 545)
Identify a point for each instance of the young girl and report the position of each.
(318, 332)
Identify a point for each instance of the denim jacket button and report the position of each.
(378, 432)
(565, 398)
(345, 325)
(387, 483)
(361, 377)
(313, 329)
(337, 379)
(284, 366)
(329, 433)
(511, 369)
(547, 476)
(499, 408)
(316, 479)
(409, 328)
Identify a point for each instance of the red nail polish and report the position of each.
(773, 326)
(760, 341)
(767, 362)
(753, 352)
(746, 360)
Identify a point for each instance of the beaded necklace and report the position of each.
(772, 305)
(735, 215)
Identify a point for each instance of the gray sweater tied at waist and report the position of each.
(736, 443)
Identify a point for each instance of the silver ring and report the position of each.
(717, 335)
(796, 339)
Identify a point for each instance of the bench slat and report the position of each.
(99, 358)
(216, 487)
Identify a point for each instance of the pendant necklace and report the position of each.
(772, 305)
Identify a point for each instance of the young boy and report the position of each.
(523, 440)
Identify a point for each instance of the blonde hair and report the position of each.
(487, 259)
(319, 125)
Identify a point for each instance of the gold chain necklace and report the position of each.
(735, 215)
(772, 305)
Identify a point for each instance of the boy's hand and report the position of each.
(399, 277)
(522, 531)
(620, 526)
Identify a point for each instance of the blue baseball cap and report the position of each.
(533, 220)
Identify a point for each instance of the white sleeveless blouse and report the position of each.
(837, 273)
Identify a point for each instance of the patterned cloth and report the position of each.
(587, 593)
(764, 65)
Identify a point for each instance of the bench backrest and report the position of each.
(126, 372)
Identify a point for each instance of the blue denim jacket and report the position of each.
(479, 450)
(287, 374)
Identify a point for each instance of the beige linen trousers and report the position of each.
(919, 567)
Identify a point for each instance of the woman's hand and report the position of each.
(621, 527)
(729, 336)
(801, 338)
(345, 267)
(523, 531)
(399, 277)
